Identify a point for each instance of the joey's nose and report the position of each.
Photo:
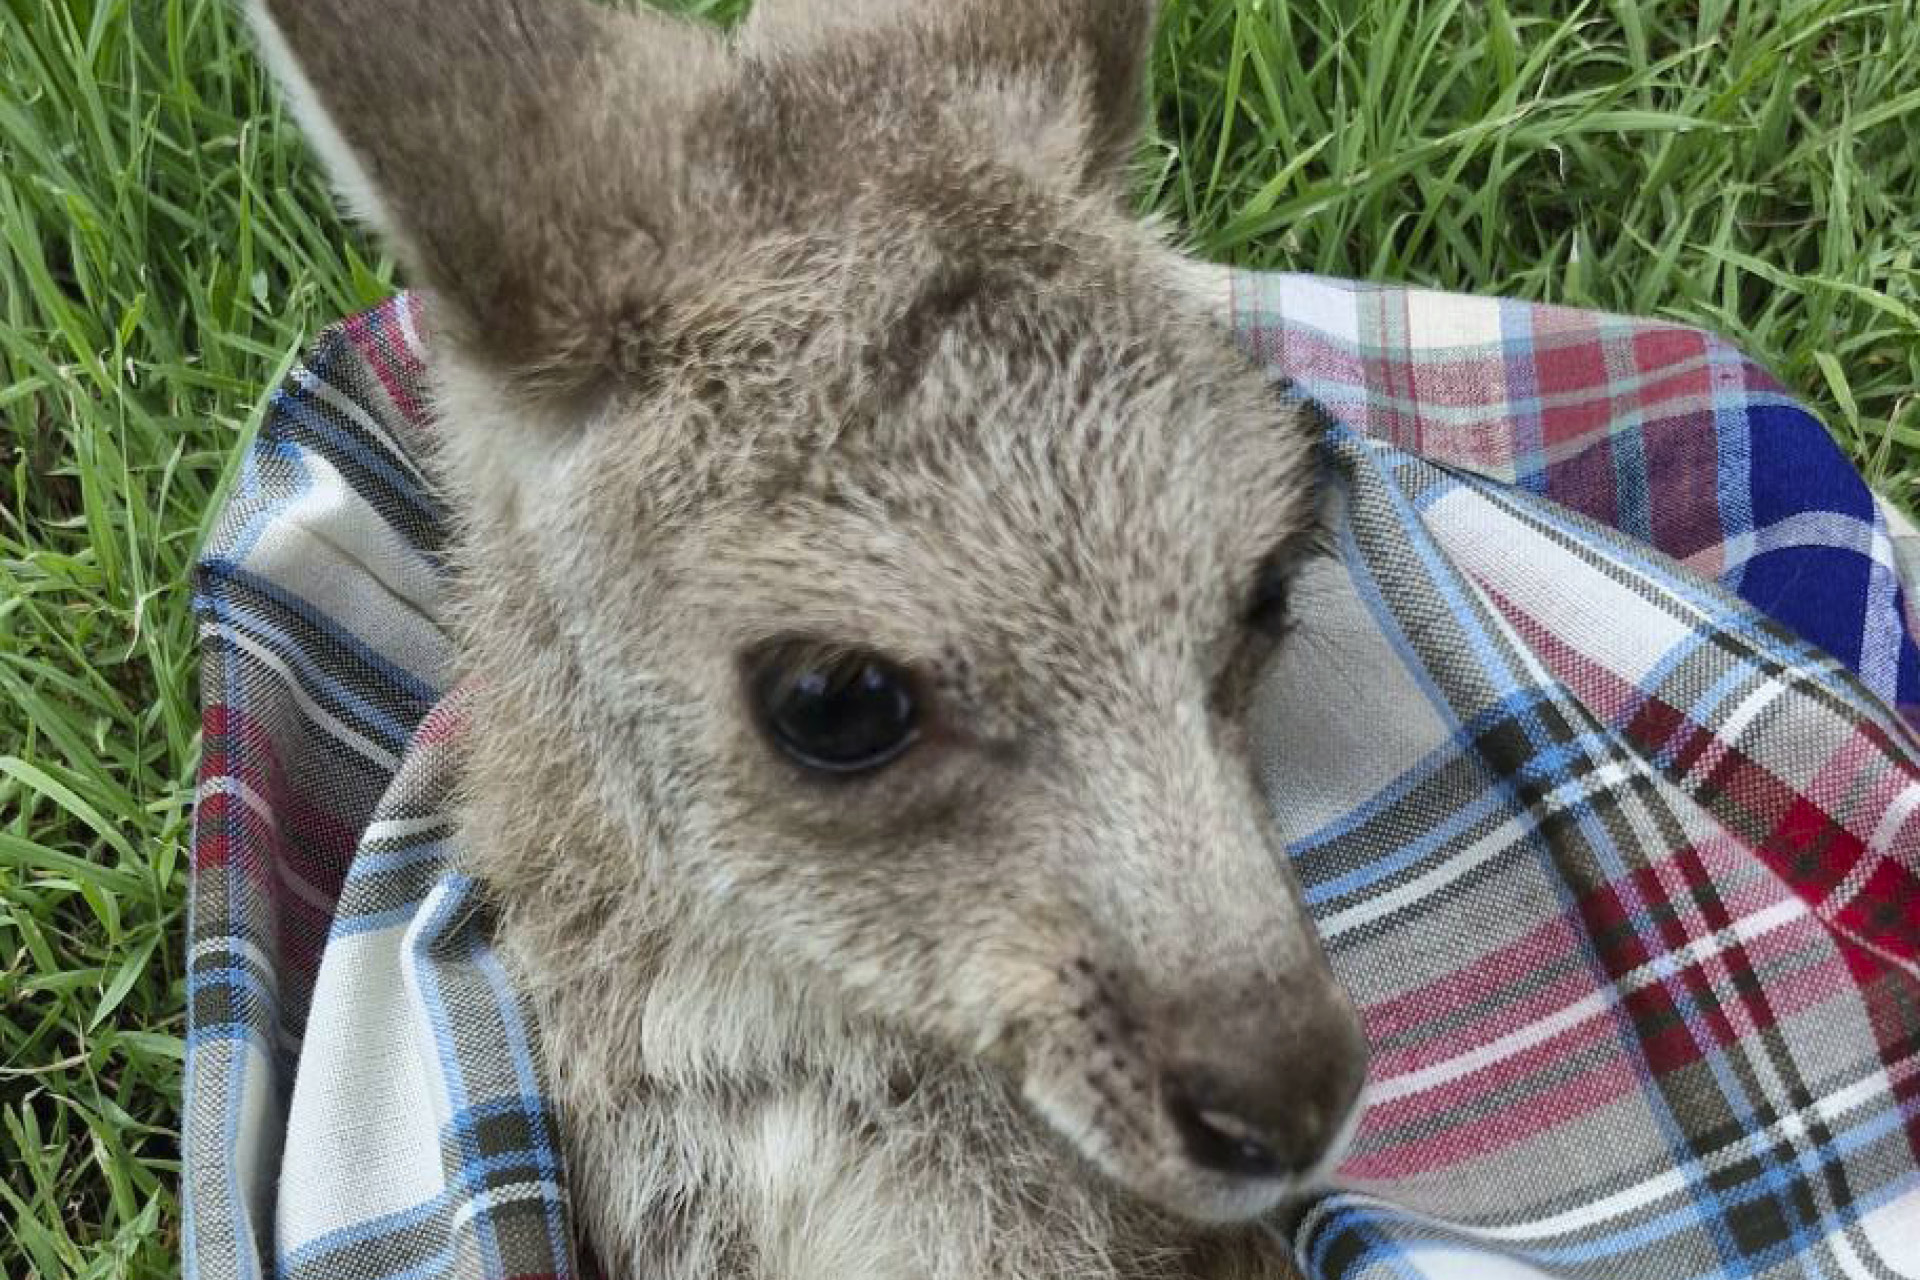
(1218, 1137)
(1271, 1105)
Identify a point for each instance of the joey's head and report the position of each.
(907, 538)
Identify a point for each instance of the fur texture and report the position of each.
(836, 329)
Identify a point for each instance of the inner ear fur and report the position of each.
(527, 160)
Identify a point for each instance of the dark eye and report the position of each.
(1270, 608)
(835, 712)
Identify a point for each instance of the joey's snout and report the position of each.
(1213, 1103)
(1264, 1090)
(1202, 1052)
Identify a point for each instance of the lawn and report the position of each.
(166, 249)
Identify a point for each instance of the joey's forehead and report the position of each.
(912, 558)
(1061, 490)
(877, 278)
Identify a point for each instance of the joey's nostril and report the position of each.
(1220, 1140)
(1272, 1113)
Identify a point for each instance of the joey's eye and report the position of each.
(1270, 607)
(835, 712)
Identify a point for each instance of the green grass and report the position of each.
(166, 249)
(1749, 167)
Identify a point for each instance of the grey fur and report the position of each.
(838, 328)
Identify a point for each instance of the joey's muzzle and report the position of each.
(1264, 1088)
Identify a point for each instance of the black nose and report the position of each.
(1268, 1105)
(1221, 1140)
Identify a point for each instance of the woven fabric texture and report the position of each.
(1614, 833)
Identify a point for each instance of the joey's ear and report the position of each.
(1086, 60)
(1110, 40)
(525, 159)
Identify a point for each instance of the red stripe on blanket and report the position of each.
(380, 337)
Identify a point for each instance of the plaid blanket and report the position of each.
(1615, 837)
